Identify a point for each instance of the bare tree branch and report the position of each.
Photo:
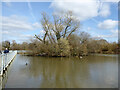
(38, 38)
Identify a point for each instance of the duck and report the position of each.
(26, 64)
(81, 57)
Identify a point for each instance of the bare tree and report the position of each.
(59, 27)
(6, 44)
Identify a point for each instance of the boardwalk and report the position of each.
(5, 60)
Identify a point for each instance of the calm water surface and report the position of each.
(94, 71)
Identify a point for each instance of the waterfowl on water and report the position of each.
(81, 57)
(26, 64)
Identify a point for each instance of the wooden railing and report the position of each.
(5, 60)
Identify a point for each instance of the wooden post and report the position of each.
(2, 63)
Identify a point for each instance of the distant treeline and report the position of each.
(74, 46)
(60, 38)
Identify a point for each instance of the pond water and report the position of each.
(94, 71)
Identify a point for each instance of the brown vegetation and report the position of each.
(60, 39)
